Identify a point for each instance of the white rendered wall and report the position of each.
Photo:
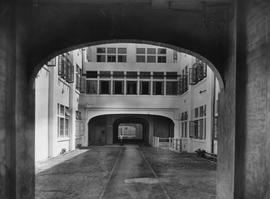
(41, 115)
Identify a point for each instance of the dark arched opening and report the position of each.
(131, 120)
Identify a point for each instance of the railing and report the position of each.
(175, 144)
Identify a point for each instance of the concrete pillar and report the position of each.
(73, 108)
(176, 129)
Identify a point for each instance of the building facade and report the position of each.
(57, 95)
(90, 96)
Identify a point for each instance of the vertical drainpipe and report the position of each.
(213, 114)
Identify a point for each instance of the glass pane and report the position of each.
(105, 87)
(101, 58)
(158, 75)
(140, 50)
(91, 74)
(122, 58)
(157, 88)
(151, 59)
(66, 127)
(161, 59)
(105, 74)
(101, 50)
(91, 86)
(145, 88)
(151, 51)
(122, 50)
(118, 87)
(131, 87)
(171, 88)
(140, 58)
(145, 75)
(61, 127)
(111, 50)
(118, 74)
(132, 75)
(162, 51)
(171, 75)
(111, 58)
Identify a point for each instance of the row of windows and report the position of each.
(149, 55)
(121, 87)
(197, 127)
(131, 75)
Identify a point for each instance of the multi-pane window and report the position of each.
(144, 88)
(91, 86)
(197, 127)
(184, 123)
(104, 87)
(101, 54)
(131, 87)
(111, 54)
(183, 81)
(62, 121)
(66, 68)
(171, 88)
(118, 87)
(197, 73)
(78, 77)
(151, 55)
(158, 87)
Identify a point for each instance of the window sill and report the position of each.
(63, 139)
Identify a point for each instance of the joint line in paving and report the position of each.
(111, 173)
(155, 175)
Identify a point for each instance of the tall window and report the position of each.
(91, 86)
(62, 120)
(171, 88)
(161, 55)
(111, 54)
(184, 123)
(122, 55)
(158, 88)
(65, 67)
(197, 128)
(101, 54)
(78, 77)
(118, 87)
(105, 87)
(131, 87)
(145, 88)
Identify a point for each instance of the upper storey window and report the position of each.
(111, 54)
(151, 55)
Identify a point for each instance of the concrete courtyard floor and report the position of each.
(123, 172)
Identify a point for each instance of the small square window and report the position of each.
(118, 87)
(122, 50)
(101, 50)
(145, 88)
(151, 59)
(161, 59)
(101, 58)
(105, 87)
(132, 75)
(122, 58)
(111, 58)
(111, 50)
(140, 58)
(140, 50)
(151, 51)
(162, 51)
(131, 87)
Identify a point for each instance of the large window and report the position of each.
(105, 87)
(158, 88)
(184, 124)
(63, 121)
(197, 127)
(144, 88)
(111, 54)
(118, 87)
(131, 87)
(151, 55)
(91, 86)
(65, 67)
(197, 73)
(171, 88)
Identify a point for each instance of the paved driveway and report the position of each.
(128, 172)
